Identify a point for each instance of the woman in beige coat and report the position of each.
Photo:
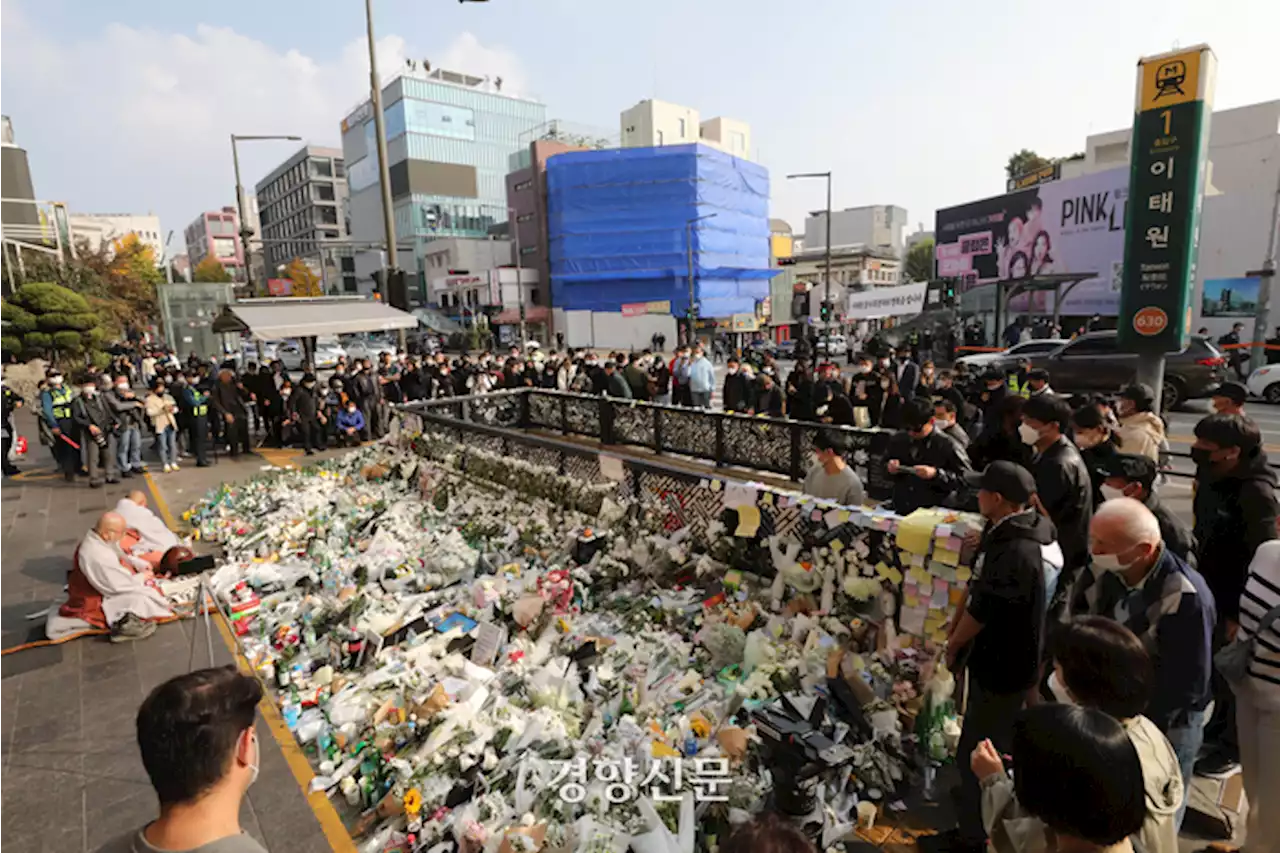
(1141, 429)
(163, 411)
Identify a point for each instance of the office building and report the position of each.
(103, 229)
(875, 226)
(449, 140)
(212, 234)
(653, 123)
(301, 205)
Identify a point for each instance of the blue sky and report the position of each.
(127, 105)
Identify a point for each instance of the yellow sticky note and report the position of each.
(939, 636)
(843, 515)
(748, 521)
(915, 532)
(767, 498)
(904, 641)
(889, 573)
(946, 556)
(963, 574)
(837, 546)
(661, 750)
(717, 485)
(910, 601)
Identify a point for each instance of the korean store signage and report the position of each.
(1166, 191)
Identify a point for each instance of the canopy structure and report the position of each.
(300, 317)
(1007, 289)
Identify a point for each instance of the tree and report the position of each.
(53, 322)
(919, 266)
(305, 282)
(210, 270)
(1025, 161)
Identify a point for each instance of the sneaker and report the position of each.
(168, 468)
(130, 628)
(175, 467)
(126, 473)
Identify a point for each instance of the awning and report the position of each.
(532, 314)
(293, 317)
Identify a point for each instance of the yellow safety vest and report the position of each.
(199, 404)
(1023, 390)
(61, 398)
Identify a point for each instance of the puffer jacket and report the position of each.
(1142, 433)
(1234, 513)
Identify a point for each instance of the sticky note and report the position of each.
(611, 468)
(704, 484)
(926, 586)
(767, 499)
(837, 546)
(946, 556)
(889, 573)
(832, 518)
(748, 521)
(736, 495)
(910, 600)
(716, 485)
(941, 596)
(783, 501)
(957, 595)
(843, 515)
(816, 515)
(963, 574)
(942, 530)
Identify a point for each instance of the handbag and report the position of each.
(1233, 659)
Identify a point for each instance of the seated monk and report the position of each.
(109, 588)
(146, 535)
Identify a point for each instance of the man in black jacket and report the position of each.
(998, 633)
(735, 397)
(364, 391)
(305, 415)
(98, 427)
(928, 468)
(229, 404)
(800, 392)
(615, 383)
(1063, 485)
(1235, 512)
(1131, 475)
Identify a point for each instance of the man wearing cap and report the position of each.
(1141, 429)
(928, 468)
(999, 629)
(55, 405)
(1129, 475)
(1229, 399)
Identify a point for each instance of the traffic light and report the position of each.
(380, 284)
(397, 292)
(824, 312)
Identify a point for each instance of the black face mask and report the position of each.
(1201, 456)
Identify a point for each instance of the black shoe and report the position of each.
(12, 472)
(1217, 763)
(94, 485)
(948, 842)
(113, 481)
(126, 474)
(203, 464)
(69, 476)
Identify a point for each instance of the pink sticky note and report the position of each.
(816, 515)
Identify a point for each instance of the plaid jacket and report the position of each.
(1173, 614)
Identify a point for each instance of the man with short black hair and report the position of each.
(928, 468)
(198, 745)
(1038, 382)
(1229, 399)
(831, 478)
(945, 421)
(615, 383)
(1131, 475)
(1063, 486)
(735, 396)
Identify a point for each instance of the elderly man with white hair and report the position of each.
(1143, 585)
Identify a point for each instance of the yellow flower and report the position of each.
(412, 802)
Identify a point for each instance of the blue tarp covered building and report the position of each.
(617, 229)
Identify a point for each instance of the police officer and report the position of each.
(195, 402)
(55, 405)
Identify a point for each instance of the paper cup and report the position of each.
(866, 815)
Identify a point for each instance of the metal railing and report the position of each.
(774, 445)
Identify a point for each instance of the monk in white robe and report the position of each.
(147, 536)
(125, 583)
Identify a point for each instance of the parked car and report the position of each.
(1005, 359)
(370, 347)
(326, 356)
(1094, 363)
(833, 345)
(785, 349)
(1265, 383)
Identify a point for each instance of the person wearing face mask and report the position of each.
(994, 390)
(999, 629)
(733, 397)
(799, 390)
(109, 588)
(904, 371)
(1229, 399)
(162, 409)
(1139, 582)
(1097, 443)
(197, 738)
(308, 422)
(193, 402)
(928, 468)
(831, 477)
(1234, 507)
(55, 405)
(1128, 475)
(1064, 487)
(944, 421)
(769, 399)
(98, 427)
(130, 412)
(636, 377)
(659, 380)
(350, 425)
(1141, 429)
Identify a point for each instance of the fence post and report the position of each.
(657, 428)
(796, 473)
(524, 408)
(564, 415)
(719, 440)
(606, 420)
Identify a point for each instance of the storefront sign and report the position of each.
(1035, 177)
(637, 309)
(903, 299)
(1166, 182)
(746, 323)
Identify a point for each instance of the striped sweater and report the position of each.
(1261, 593)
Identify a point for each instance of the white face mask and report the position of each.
(1108, 562)
(1110, 492)
(1059, 690)
(1029, 434)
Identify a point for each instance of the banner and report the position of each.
(1069, 226)
(900, 300)
(1169, 153)
(280, 286)
(637, 309)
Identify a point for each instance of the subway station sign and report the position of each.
(1166, 191)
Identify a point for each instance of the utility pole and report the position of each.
(384, 170)
(245, 232)
(828, 309)
(1267, 276)
(693, 300)
(524, 333)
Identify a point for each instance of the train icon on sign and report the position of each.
(1169, 78)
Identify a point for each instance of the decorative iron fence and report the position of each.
(776, 445)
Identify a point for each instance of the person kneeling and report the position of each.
(350, 425)
(107, 587)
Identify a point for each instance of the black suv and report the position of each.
(1094, 363)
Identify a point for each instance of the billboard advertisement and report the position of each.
(1071, 226)
(1230, 297)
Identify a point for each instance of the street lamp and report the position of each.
(688, 245)
(826, 297)
(245, 231)
(513, 225)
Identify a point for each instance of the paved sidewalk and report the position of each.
(72, 776)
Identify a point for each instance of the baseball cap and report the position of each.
(1233, 391)
(1131, 466)
(1007, 479)
(1138, 392)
